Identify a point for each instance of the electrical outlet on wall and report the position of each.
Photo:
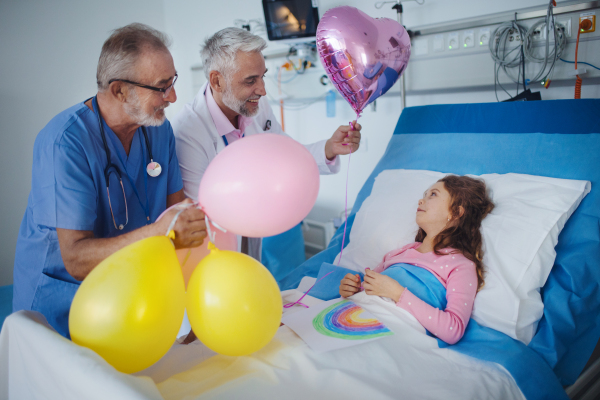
(591, 16)
(468, 38)
(438, 43)
(564, 25)
(484, 36)
(453, 42)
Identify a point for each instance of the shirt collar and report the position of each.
(222, 123)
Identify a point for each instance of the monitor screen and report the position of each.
(289, 19)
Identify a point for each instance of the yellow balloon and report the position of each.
(130, 307)
(233, 303)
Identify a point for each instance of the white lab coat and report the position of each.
(198, 143)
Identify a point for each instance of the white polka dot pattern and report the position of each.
(451, 321)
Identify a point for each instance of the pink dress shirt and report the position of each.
(224, 127)
(458, 275)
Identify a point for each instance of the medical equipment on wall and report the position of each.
(292, 21)
(256, 26)
(508, 56)
(399, 10)
(584, 25)
(153, 169)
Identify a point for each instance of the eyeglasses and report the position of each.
(165, 91)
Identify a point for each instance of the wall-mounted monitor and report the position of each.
(291, 20)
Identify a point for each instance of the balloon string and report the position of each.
(288, 305)
(170, 232)
(346, 203)
(211, 235)
(187, 256)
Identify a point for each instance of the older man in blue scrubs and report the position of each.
(103, 171)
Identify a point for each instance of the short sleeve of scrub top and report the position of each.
(66, 197)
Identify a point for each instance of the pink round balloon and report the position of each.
(260, 186)
(362, 56)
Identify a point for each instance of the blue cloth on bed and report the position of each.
(328, 281)
(558, 138)
(531, 373)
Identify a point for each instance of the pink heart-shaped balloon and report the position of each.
(362, 56)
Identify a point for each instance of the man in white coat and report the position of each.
(232, 105)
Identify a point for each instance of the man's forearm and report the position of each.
(85, 251)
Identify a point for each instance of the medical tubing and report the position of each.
(107, 150)
(280, 98)
(580, 62)
(147, 143)
(146, 208)
(578, 81)
(501, 56)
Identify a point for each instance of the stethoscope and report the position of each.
(153, 169)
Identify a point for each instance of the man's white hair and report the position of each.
(122, 50)
(220, 50)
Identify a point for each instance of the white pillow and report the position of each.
(519, 237)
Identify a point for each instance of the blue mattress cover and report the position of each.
(556, 138)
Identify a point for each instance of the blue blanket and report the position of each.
(533, 375)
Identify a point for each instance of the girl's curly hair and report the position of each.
(463, 232)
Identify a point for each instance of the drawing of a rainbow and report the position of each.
(342, 320)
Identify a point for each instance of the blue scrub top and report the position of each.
(68, 191)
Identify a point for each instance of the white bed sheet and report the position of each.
(36, 362)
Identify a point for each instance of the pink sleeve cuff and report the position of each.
(402, 300)
(331, 162)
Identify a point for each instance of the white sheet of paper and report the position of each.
(335, 324)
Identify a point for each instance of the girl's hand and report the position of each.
(381, 285)
(350, 285)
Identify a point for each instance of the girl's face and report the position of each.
(433, 212)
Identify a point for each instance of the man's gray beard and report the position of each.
(133, 108)
(237, 105)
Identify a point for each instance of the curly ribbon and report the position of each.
(288, 305)
(346, 204)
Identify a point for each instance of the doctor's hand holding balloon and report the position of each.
(345, 140)
(189, 228)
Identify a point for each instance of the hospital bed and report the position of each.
(559, 139)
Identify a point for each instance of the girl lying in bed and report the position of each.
(448, 244)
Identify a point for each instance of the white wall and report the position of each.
(48, 56)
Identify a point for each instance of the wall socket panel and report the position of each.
(563, 24)
(437, 67)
